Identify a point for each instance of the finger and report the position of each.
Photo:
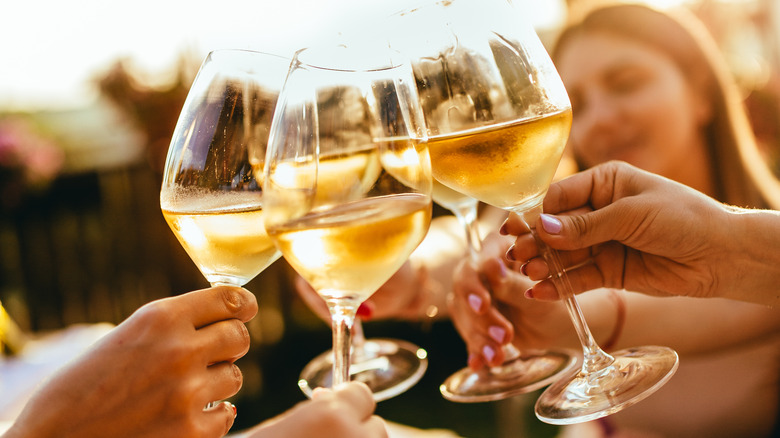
(536, 269)
(583, 278)
(469, 290)
(223, 341)
(544, 290)
(576, 190)
(357, 397)
(218, 420)
(514, 226)
(490, 329)
(375, 427)
(524, 249)
(488, 335)
(495, 275)
(225, 380)
(206, 306)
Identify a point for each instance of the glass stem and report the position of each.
(342, 315)
(594, 358)
(466, 213)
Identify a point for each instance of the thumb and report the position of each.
(578, 231)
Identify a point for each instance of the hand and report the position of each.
(394, 299)
(649, 234)
(152, 375)
(345, 412)
(489, 310)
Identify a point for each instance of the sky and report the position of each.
(50, 50)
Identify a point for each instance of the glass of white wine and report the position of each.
(343, 212)
(210, 195)
(498, 118)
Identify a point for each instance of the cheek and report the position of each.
(670, 121)
(585, 154)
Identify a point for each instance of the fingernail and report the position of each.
(551, 224)
(497, 333)
(364, 311)
(489, 353)
(503, 230)
(475, 302)
(529, 293)
(510, 253)
(235, 411)
(523, 269)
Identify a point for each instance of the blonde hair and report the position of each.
(742, 175)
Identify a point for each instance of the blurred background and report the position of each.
(89, 95)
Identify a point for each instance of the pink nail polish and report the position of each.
(475, 302)
(497, 333)
(529, 293)
(551, 224)
(488, 352)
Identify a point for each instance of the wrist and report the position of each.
(752, 271)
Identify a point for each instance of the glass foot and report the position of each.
(527, 372)
(635, 374)
(388, 366)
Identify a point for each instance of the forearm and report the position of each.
(751, 258)
(694, 325)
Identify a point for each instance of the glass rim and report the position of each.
(354, 64)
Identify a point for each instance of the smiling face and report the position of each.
(631, 102)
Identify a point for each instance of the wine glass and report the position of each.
(521, 372)
(388, 366)
(498, 118)
(347, 193)
(210, 196)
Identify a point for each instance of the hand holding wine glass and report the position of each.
(520, 372)
(210, 195)
(347, 189)
(498, 118)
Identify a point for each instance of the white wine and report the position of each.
(227, 244)
(505, 165)
(351, 250)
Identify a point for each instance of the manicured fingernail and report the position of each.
(489, 353)
(235, 411)
(551, 224)
(523, 269)
(503, 230)
(365, 310)
(510, 253)
(529, 293)
(497, 333)
(475, 302)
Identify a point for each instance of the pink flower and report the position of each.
(24, 149)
